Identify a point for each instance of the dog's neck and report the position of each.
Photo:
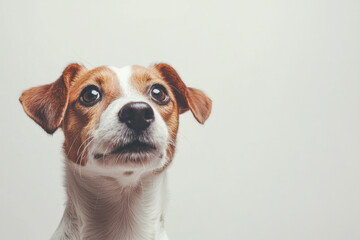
(102, 208)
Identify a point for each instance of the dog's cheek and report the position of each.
(171, 117)
(76, 137)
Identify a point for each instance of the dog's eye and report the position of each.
(90, 96)
(159, 95)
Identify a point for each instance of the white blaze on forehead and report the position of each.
(124, 76)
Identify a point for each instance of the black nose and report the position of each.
(136, 115)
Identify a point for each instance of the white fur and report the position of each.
(103, 201)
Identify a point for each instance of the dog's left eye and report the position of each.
(159, 94)
(90, 96)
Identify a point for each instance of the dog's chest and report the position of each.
(111, 212)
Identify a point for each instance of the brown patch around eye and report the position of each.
(81, 120)
(142, 79)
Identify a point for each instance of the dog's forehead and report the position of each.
(119, 81)
(123, 75)
(132, 78)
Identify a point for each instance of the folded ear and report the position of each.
(187, 98)
(47, 104)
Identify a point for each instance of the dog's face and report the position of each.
(116, 120)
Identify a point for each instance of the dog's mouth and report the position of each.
(135, 147)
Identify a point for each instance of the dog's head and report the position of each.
(116, 119)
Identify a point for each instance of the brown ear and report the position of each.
(47, 104)
(187, 98)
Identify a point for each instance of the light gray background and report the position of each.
(279, 157)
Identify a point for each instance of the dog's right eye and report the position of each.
(90, 96)
(159, 95)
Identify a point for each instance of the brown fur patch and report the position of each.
(79, 120)
(187, 98)
(47, 104)
(142, 79)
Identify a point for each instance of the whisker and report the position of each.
(72, 144)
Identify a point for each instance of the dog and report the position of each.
(120, 127)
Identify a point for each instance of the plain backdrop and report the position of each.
(279, 157)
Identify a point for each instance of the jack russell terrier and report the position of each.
(120, 127)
